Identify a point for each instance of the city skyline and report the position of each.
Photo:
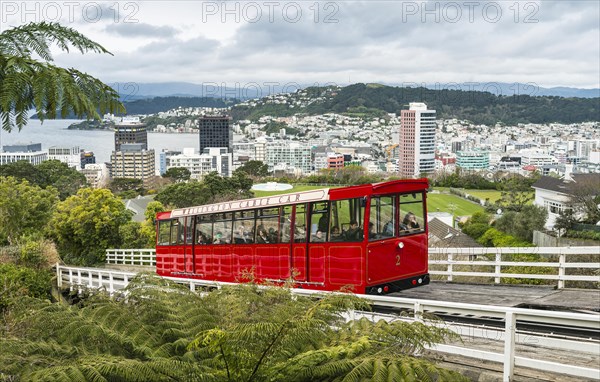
(546, 43)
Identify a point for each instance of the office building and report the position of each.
(130, 131)
(132, 161)
(215, 131)
(417, 141)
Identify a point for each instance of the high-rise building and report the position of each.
(417, 140)
(215, 131)
(131, 158)
(132, 162)
(129, 131)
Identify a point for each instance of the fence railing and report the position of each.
(509, 336)
(131, 256)
(472, 257)
(477, 257)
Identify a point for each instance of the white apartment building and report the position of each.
(31, 153)
(417, 140)
(292, 154)
(69, 155)
(212, 159)
(531, 158)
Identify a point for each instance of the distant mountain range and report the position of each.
(131, 91)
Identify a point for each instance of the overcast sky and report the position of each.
(548, 43)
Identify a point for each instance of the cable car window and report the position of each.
(300, 224)
(204, 232)
(382, 217)
(267, 226)
(243, 227)
(176, 231)
(319, 222)
(286, 224)
(347, 218)
(222, 228)
(164, 232)
(411, 213)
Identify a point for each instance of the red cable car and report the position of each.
(371, 238)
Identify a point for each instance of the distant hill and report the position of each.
(477, 107)
(159, 104)
(131, 91)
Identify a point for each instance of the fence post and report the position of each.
(58, 276)
(509, 347)
(450, 258)
(418, 311)
(498, 268)
(111, 284)
(562, 259)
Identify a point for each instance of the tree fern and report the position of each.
(35, 83)
(163, 332)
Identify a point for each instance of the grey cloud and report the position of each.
(141, 30)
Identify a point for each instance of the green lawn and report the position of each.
(435, 202)
(452, 204)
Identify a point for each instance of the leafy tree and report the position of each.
(494, 238)
(180, 195)
(162, 331)
(516, 192)
(24, 208)
(22, 170)
(53, 173)
(178, 174)
(254, 168)
(522, 224)
(121, 185)
(86, 224)
(585, 198)
(36, 83)
(17, 281)
(59, 175)
(152, 209)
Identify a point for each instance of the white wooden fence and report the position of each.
(476, 257)
(473, 257)
(113, 281)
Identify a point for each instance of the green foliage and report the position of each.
(524, 269)
(516, 193)
(127, 188)
(59, 175)
(522, 224)
(52, 173)
(152, 209)
(494, 238)
(18, 281)
(460, 179)
(213, 188)
(178, 174)
(590, 235)
(180, 195)
(86, 224)
(162, 331)
(36, 83)
(254, 168)
(24, 209)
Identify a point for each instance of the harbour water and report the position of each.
(101, 142)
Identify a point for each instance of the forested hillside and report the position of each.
(477, 107)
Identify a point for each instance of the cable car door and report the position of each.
(298, 236)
